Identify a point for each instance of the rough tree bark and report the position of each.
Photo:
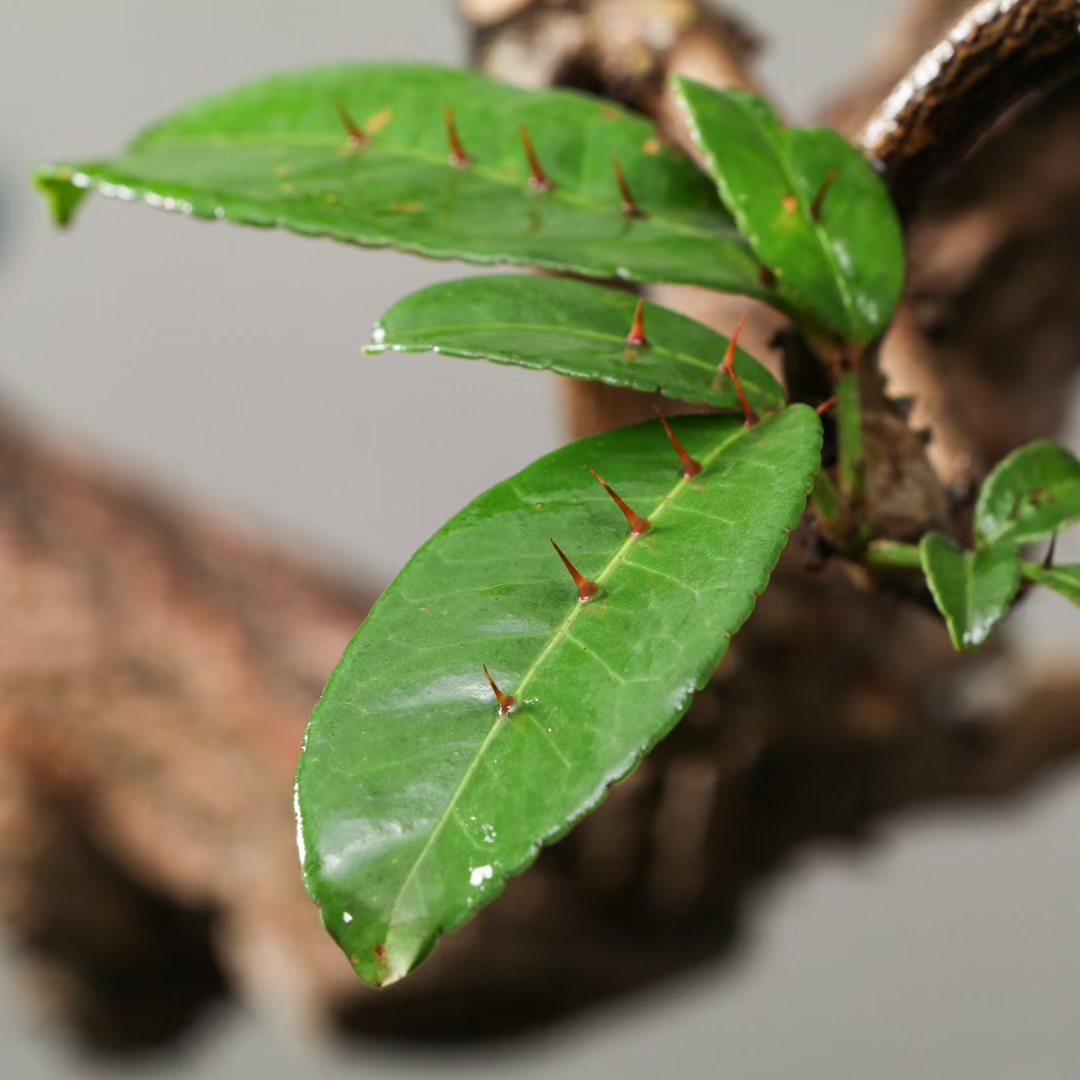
(156, 670)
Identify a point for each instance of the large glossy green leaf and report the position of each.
(1030, 495)
(1063, 579)
(972, 589)
(275, 152)
(574, 328)
(416, 798)
(841, 269)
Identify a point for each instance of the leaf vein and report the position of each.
(556, 637)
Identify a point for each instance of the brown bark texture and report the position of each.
(156, 668)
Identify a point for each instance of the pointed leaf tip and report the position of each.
(63, 195)
(270, 153)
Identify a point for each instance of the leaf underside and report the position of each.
(275, 152)
(416, 799)
(841, 270)
(1030, 495)
(972, 589)
(573, 328)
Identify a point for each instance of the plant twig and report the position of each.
(998, 52)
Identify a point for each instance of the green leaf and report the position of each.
(275, 152)
(1062, 579)
(415, 797)
(1030, 495)
(842, 270)
(576, 329)
(972, 589)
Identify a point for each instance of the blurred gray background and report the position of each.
(224, 363)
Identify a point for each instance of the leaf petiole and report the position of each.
(893, 555)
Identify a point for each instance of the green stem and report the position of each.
(826, 501)
(889, 553)
(849, 436)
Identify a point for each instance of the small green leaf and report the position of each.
(576, 329)
(838, 256)
(416, 797)
(1062, 579)
(1030, 495)
(972, 589)
(275, 152)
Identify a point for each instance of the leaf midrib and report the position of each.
(557, 636)
(733, 203)
(774, 138)
(560, 193)
(572, 331)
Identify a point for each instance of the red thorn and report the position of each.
(538, 179)
(766, 278)
(1048, 562)
(458, 158)
(585, 587)
(357, 137)
(825, 406)
(629, 207)
(638, 524)
(819, 198)
(637, 328)
(380, 952)
(749, 416)
(506, 701)
(791, 204)
(690, 467)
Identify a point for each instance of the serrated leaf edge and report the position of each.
(498, 884)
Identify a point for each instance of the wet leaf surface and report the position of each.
(573, 328)
(417, 798)
(1030, 495)
(812, 207)
(277, 153)
(972, 589)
